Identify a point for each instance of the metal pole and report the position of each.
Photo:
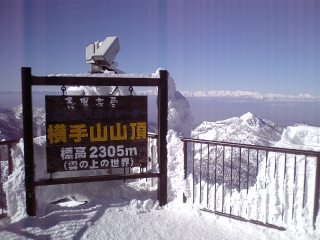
(200, 173)
(248, 170)
(28, 140)
(215, 178)
(284, 185)
(185, 157)
(231, 166)
(208, 174)
(316, 192)
(222, 202)
(304, 182)
(294, 183)
(193, 152)
(162, 130)
(239, 170)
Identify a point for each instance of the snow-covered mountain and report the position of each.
(11, 126)
(240, 94)
(251, 129)
(246, 129)
(246, 94)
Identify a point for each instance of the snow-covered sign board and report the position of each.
(95, 132)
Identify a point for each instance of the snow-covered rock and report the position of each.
(102, 90)
(246, 129)
(300, 137)
(11, 126)
(175, 166)
(14, 187)
(179, 112)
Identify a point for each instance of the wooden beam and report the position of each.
(28, 140)
(44, 182)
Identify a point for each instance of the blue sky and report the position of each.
(268, 46)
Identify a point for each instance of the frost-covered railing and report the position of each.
(153, 164)
(6, 168)
(270, 186)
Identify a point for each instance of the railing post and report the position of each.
(316, 192)
(185, 157)
(185, 162)
(28, 140)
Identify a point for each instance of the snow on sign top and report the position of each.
(107, 73)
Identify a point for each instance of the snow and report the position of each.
(301, 136)
(130, 210)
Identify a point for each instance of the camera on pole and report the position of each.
(101, 55)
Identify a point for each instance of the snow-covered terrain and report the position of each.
(247, 129)
(11, 126)
(118, 210)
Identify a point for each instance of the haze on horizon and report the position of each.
(283, 112)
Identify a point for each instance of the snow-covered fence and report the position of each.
(6, 168)
(275, 187)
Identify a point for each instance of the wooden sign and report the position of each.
(95, 132)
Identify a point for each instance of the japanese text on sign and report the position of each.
(99, 133)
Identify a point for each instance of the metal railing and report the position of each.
(269, 186)
(6, 168)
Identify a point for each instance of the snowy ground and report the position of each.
(131, 212)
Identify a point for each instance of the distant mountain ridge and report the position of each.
(235, 94)
(239, 94)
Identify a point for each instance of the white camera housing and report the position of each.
(101, 55)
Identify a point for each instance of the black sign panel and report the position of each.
(95, 132)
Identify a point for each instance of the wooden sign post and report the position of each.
(125, 137)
